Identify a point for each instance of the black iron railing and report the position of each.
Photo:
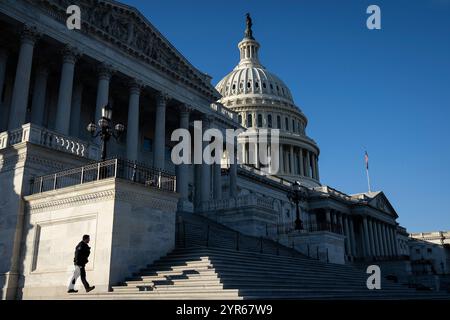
(192, 234)
(113, 168)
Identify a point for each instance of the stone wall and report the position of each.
(130, 226)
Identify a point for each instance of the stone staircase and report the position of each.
(196, 271)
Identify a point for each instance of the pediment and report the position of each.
(381, 202)
(126, 28)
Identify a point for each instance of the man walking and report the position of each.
(82, 252)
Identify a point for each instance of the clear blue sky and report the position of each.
(385, 90)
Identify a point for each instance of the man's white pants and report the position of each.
(75, 276)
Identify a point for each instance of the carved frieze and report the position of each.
(129, 30)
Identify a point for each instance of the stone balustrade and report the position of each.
(41, 136)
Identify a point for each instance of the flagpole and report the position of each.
(368, 179)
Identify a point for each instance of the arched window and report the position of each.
(269, 121)
(278, 122)
(293, 125)
(257, 84)
(286, 122)
(264, 85)
(260, 120)
(249, 84)
(249, 120)
(240, 118)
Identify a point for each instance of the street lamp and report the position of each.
(296, 194)
(105, 131)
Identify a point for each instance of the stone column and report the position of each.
(291, 159)
(388, 240)
(217, 181)
(183, 169)
(366, 238)
(317, 168)
(302, 162)
(394, 238)
(3, 110)
(380, 239)
(133, 120)
(63, 109)
(328, 216)
(159, 150)
(353, 237)
(233, 179)
(205, 185)
(18, 111)
(308, 164)
(371, 236)
(104, 77)
(376, 248)
(75, 114)
(313, 166)
(39, 96)
(282, 170)
(348, 239)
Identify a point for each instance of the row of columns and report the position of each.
(298, 161)
(297, 128)
(379, 238)
(69, 109)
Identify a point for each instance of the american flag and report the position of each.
(366, 160)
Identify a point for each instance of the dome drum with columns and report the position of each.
(263, 100)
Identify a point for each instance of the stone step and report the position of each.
(254, 270)
(219, 263)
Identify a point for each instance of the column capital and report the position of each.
(208, 119)
(135, 86)
(105, 71)
(30, 34)
(185, 108)
(70, 54)
(162, 97)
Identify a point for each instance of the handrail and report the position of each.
(195, 234)
(112, 168)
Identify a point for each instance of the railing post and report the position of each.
(159, 180)
(98, 171)
(41, 184)
(54, 182)
(115, 169)
(82, 175)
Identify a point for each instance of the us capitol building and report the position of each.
(143, 212)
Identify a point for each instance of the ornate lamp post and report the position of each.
(296, 194)
(105, 130)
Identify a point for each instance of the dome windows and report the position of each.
(264, 85)
(249, 120)
(269, 121)
(240, 119)
(260, 121)
(278, 122)
(256, 84)
(249, 84)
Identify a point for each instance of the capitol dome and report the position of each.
(263, 101)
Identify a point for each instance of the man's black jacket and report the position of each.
(82, 252)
